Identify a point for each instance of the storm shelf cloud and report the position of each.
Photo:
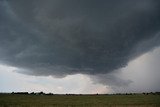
(64, 37)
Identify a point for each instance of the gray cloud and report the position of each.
(111, 79)
(59, 37)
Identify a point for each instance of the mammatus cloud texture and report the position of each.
(63, 37)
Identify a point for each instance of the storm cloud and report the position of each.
(63, 37)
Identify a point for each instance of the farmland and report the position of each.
(137, 100)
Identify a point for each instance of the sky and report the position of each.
(79, 46)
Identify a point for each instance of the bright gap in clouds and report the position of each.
(144, 73)
(78, 84)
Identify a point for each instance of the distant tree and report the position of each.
(32, 93)
(49, 94)
(41, 93)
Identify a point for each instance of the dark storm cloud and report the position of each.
(62, 37)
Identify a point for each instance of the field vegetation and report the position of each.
(71, 100)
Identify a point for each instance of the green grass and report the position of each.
(8, 100)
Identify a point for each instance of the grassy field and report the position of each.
(13, 100)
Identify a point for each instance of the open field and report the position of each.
(138, 100)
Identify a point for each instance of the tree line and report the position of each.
(42, 93)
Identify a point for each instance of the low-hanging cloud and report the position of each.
(63, 37)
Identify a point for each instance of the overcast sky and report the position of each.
(79, 46)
